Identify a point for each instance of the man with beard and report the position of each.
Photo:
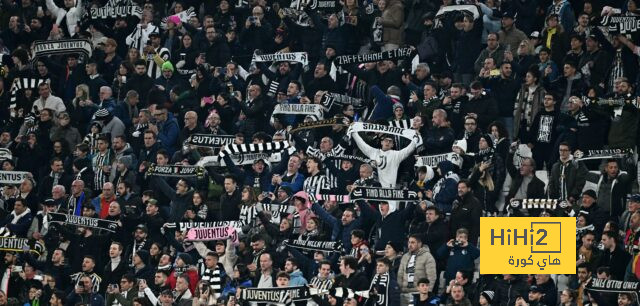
(85, 293)
(87, 270)
(57, 176)
(159, 285)
(140, 242)
(453, 105)
(587, 253)
(131, 202)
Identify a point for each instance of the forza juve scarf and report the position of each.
(21, 84)
(62, 46)
(373, 57)
(210, 141)
(298, 57)
(602, 154)
(13, 177)
(175, 171)
(269, 147)
(381, 194)
(285, 295)
(621, 24)
(213, 233)
(321, 246)
(116, 8)
(549, 204)
(103, 224)
(314, 110)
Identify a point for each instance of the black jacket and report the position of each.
(535, 190)
(230, 206)
(616, 261)
(466, 213)
(484, 106)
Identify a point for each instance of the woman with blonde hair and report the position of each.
(81, 108)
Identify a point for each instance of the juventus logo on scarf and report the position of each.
(380, 285)
(621, 24)
(322, 246)
(175, 171)
(102, 224)
(373, 57)
(210, 141)
(381, 194)
(329, 99)
(602, 154)
(23, 83)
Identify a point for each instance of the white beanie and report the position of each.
(461, 143)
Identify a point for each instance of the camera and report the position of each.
(457, 243)
(252, 19)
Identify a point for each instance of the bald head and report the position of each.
(190, 119)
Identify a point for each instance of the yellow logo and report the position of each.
(531, 245)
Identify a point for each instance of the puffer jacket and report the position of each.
(300, 218)
(425, 266)
(446, 189)
(392, 23)
(507, 291)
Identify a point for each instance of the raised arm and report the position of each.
(368, 150)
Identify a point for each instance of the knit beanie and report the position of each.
(167, 66)
(488, 295)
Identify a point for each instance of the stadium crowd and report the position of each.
(512, 99)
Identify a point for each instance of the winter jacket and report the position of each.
(230, 206)
(520, 115)
(484, 106)
(504, 91)
(535, 190)
(179, 202)
(256, 112)
(425, 266)
(338, 230)
(446, 189)
(611, 191)
(392, 20)
(439, 140)
(567, 179)
(387, 228)
(301, 217)
(458, 258)
(466, 213)
(624, 128)
(616, 261)
(511, 38)
(507, 291)
(21, 226)
(496, 54)
(297, 279)
(466, 47)
(168, 133)
(559, 44)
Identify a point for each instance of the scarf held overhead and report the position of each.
(284, 295)
(185, 226)
(602, 154)
(381, 194)
(621, 24)
(433, 160)
(299, 109)
(269, 147)
(322, 246)
(210, 141)
(106, 225)
(175, 171)
(317, 124)
(116, 8)
(550, 204)
(62, 46)
(373, 57)
(378, 128)
(299, 57)
(213, 233)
